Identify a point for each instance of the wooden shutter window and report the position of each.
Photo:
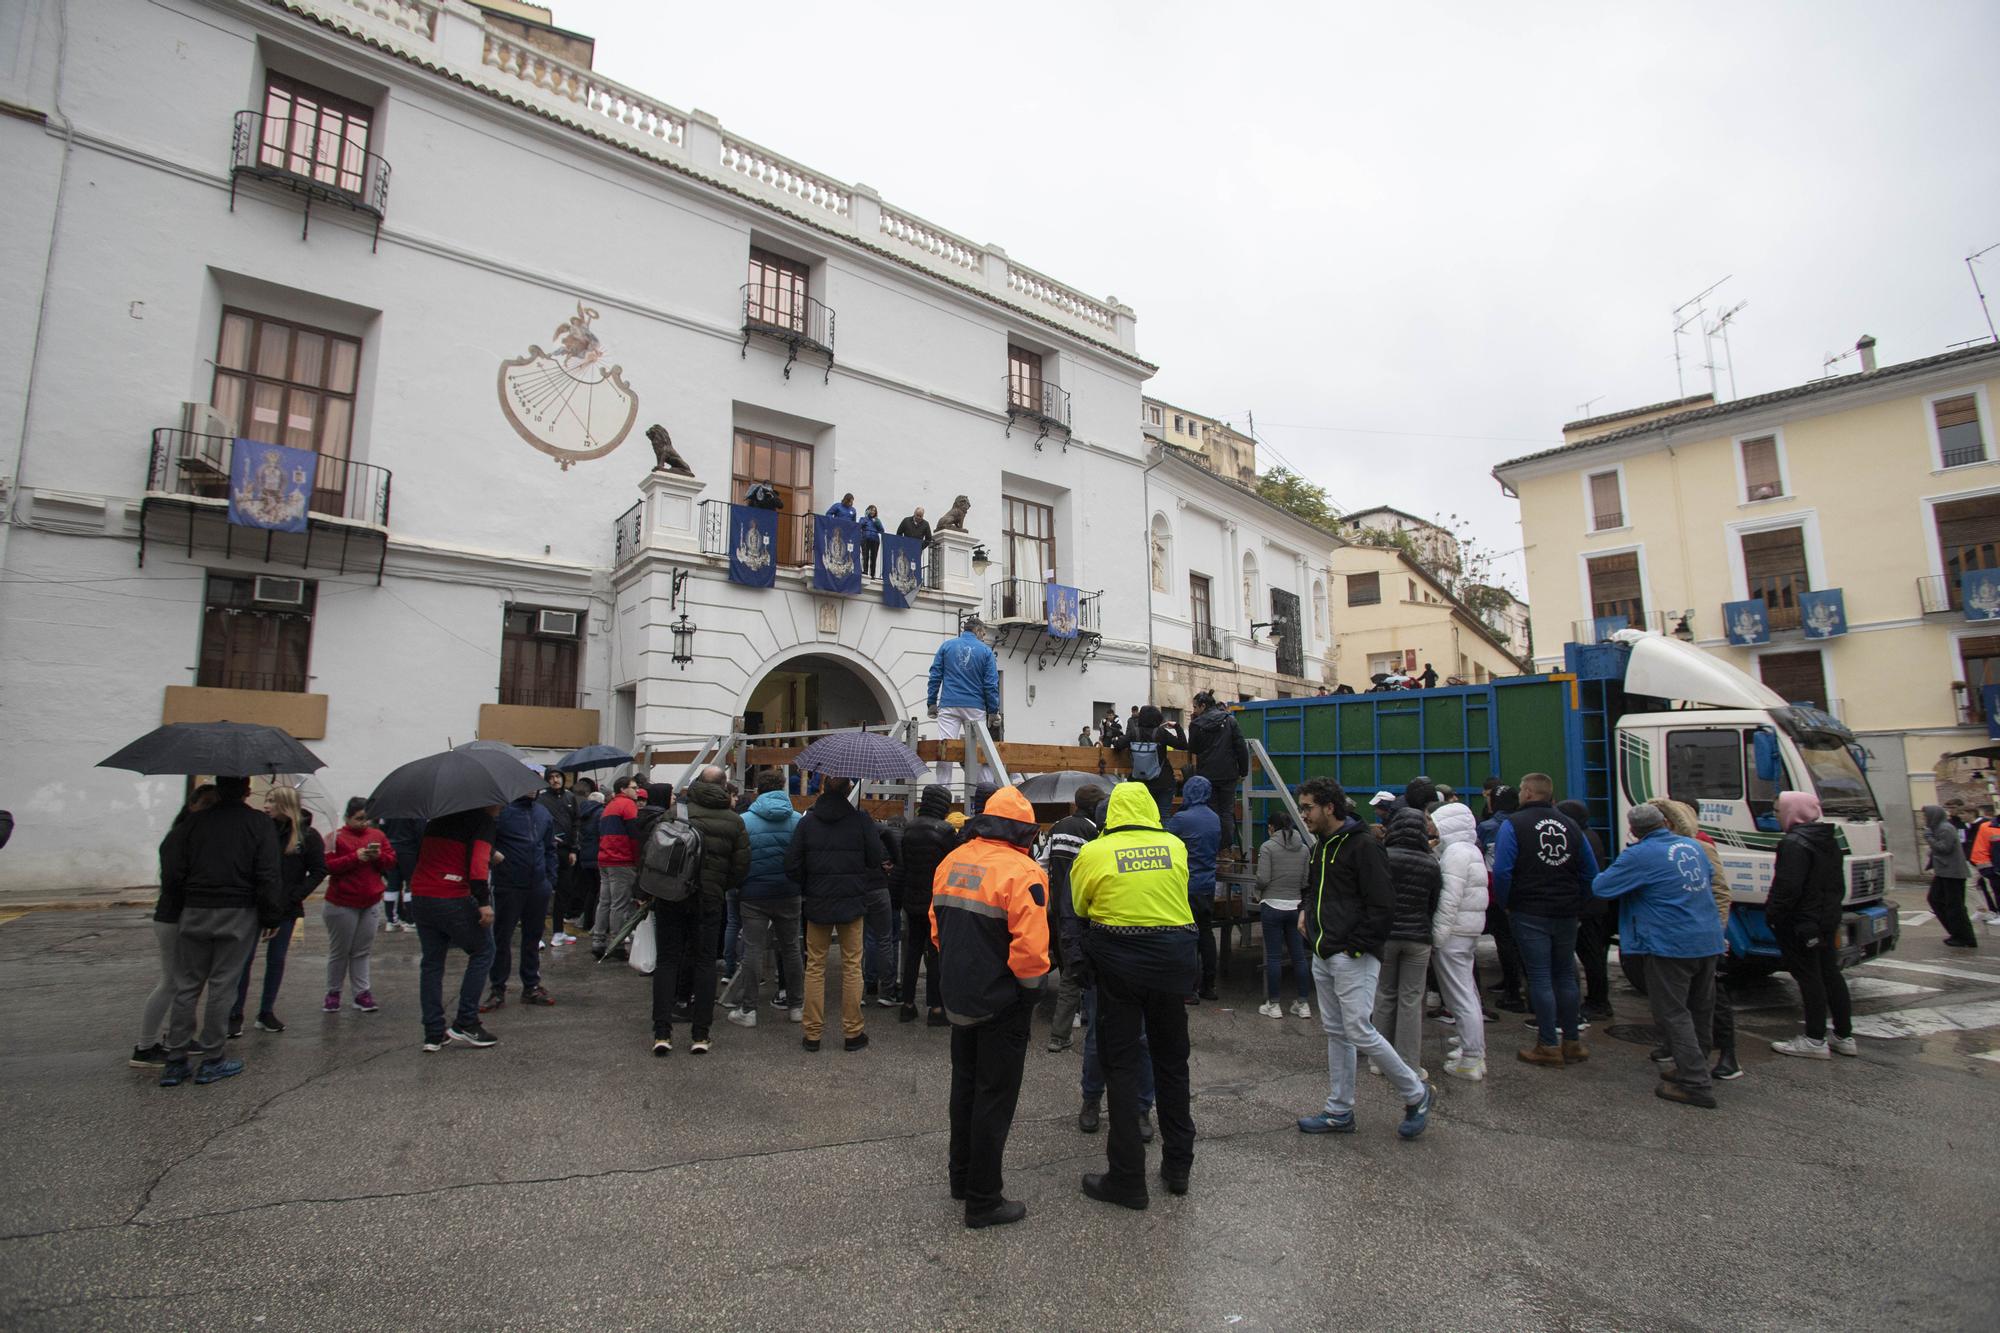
(1614, 587)
(1760, 469)
(1606, 510)
(1799, 677)
(1960, 439)
(1960, 411)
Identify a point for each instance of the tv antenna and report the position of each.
(1720, 329)
(1583, 408)
(1971, 261)
(1693, 313)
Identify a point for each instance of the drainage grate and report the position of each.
(1640, 1034)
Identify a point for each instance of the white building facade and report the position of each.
(205, 245)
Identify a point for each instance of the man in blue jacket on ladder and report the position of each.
(964, 688)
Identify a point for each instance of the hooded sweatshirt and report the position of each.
(927, 840)
(769, 823)
(1809, 880)
(1129, 885)
(1947, 849)
(1350, 899)
(1461, 908)
(1200, 828)
(989, 914)
(1681, 819)
(1281, 870)
(1664, 907)
(1220, 754)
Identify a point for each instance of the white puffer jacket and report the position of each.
(1462, 908)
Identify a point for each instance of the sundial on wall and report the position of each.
(568, 402)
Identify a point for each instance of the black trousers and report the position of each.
(1222, 800)
(1821, 987)
(1725, 1018)
(1947, 900)
(986, 1063)
(1126, 1012)
(917, 948)
(583, 894)
(1204, 932)
(1593, 948)
(688, 933)
(1502, 930)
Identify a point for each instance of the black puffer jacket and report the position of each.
(1807, 884)
(835, 858)
(1414, 870)
(1350, 900)
(927, 840)
(725, 844)
(1220, 754)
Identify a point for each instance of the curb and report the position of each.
(71, 905)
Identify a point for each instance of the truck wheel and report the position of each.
(1634, 965)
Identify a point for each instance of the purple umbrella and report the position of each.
(861, 754)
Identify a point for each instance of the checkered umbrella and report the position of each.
(861, 754)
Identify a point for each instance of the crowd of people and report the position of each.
(725, 890)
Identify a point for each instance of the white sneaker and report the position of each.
(798, 1014)
(1802, 1046)
(743, 1018)
(1270, 1009)
(1300, 1009)
(1844, 1045)
(1993, 920)
(1374, 1068)
(1472, 1068)
(1076, 1023)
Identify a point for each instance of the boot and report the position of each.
(1088, 1119)
(1574, 1052)
(1538, 1054)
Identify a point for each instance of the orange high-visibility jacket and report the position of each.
(1982, 845)
(989, 917)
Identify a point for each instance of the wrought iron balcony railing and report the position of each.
(629, 534)
(798, 321)
(200, 466)
(304, 157)
(1037, 402)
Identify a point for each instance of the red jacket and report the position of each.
(353, 882)
(615, 827)
(453, 858)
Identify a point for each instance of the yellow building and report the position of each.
(1225, 450)
(1390, 614)
(1848, 508)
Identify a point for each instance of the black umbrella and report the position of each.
(222, 749)
(1061, 788)
(444, 784)
(592, 756)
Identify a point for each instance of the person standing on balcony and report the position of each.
(871, 541)
(1221, 755)
(917, 526)
(964, 689)
(842, 508)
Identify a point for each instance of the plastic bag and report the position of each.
(646, 947)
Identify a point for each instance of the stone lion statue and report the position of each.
(953, 519)
(666, 458)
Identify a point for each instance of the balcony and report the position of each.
(1965, 455)
(299, 156)
(1207, 643)
(794, 544)
(799, 322)
(1018, 610)
(1036, 403)
(187, 501)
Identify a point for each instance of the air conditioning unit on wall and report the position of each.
(279, 592)
(558, 624)
(201, 419)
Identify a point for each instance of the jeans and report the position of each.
(1947, 900)
(214, 944)
(986, 1065)
(917, 948)
(444, 924)
(1283, 940)
(1681, 992)
(1141, 1025)
(687, 933)
(1458, 984)
(766, 921)
(153, 1017)
(350, 940)
(818, 935)
(614, 903)
(732, 932)
(1203, 907)
(1548, 955)
(1821, 987)
(1093, 1068)
(522, 911)
(878, 948)
(275, 954)
(1399, 997)
(1346, 1001)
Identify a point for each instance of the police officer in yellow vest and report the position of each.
(1129, 887)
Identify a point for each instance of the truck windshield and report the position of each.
(1842, 788)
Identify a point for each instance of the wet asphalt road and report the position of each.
(567, 1179)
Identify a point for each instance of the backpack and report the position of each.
(670, 864)
(1145, 760)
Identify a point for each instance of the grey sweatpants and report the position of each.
(766, 921)
(213, 949)
(614, 902)
(1681, 992)
(153, 1018)
(1399, 998)
(350, 940)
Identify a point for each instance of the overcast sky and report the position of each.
(1414, 239)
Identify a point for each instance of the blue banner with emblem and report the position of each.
(1823, 615)
(271, 486)
(1062, 610)
(1747, 622)
(902, 571)
(836, 555)
(753, 546)
(1979, 594)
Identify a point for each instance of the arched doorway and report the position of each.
(816, 690)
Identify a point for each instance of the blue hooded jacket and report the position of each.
(1201, 829)
(1665, 907)
(769, 821)
(525, 835)
(964, 674)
